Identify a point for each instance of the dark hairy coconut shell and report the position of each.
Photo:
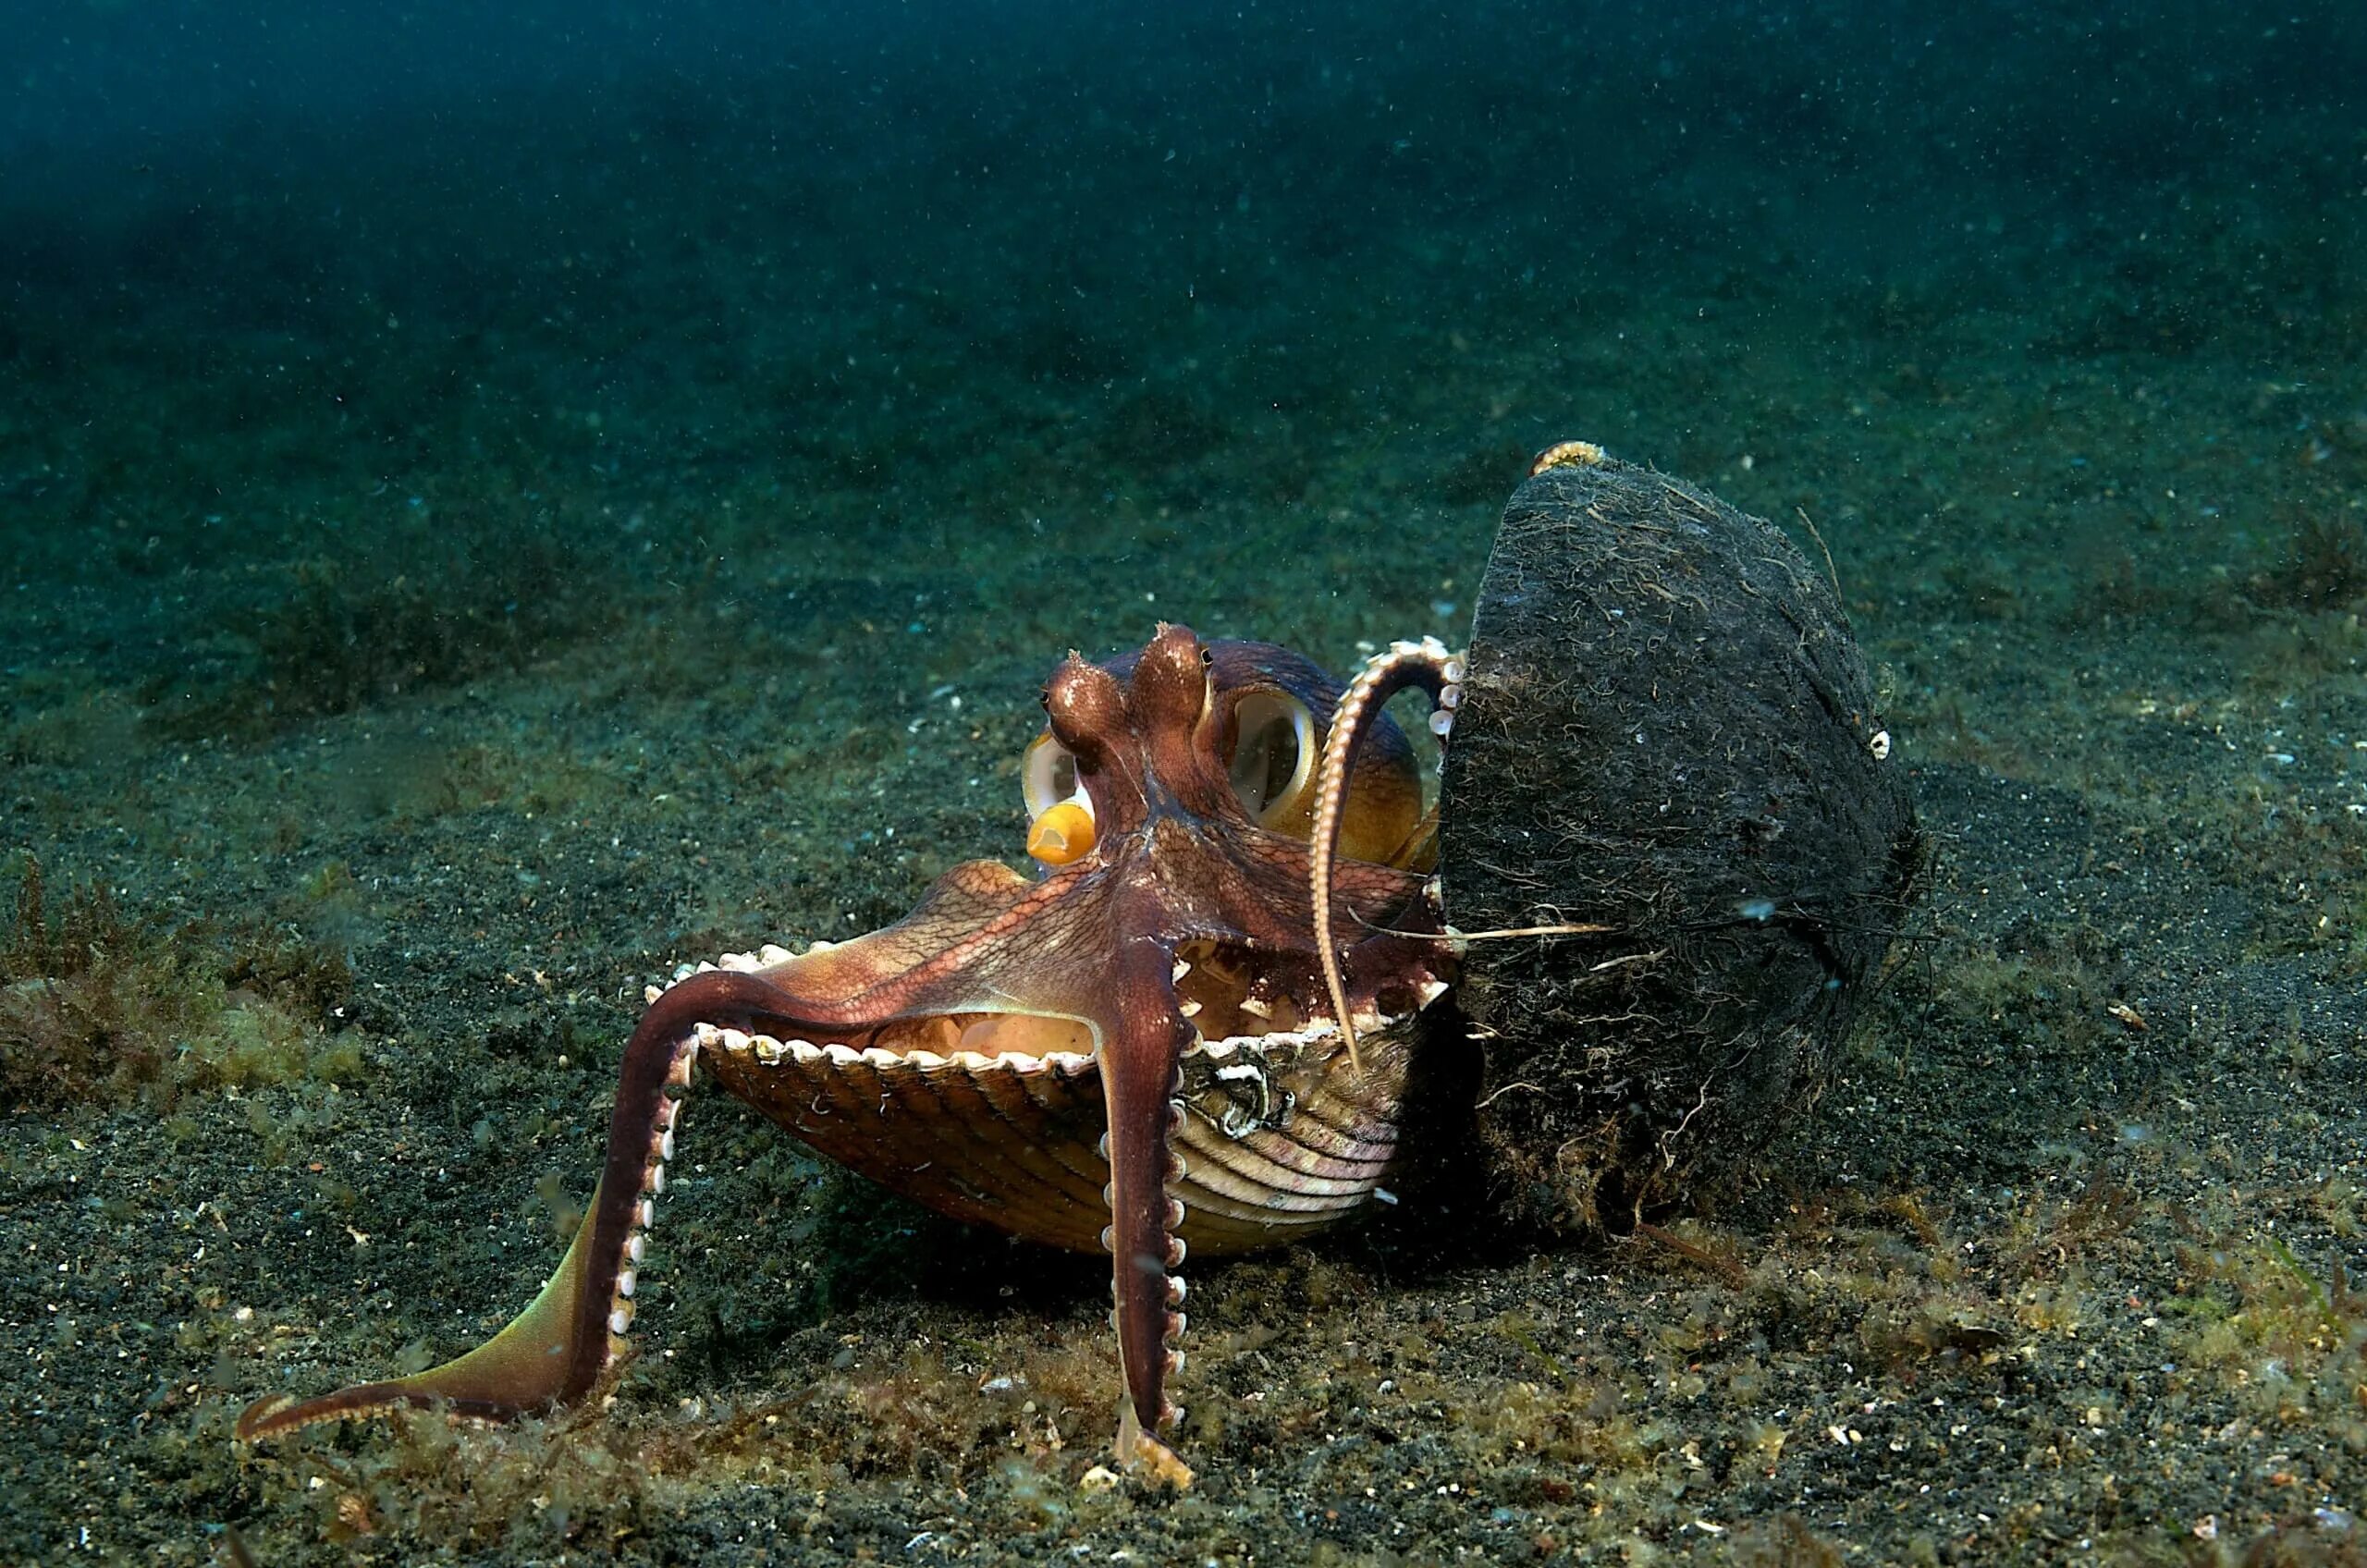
(1666, 729)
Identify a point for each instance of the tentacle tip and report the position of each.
(1153, 1461)
(1345, 1017)
(276, 1416)
(260, 1421)
(1568, 454)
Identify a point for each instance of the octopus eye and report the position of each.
(1273, 758)
(1208, 657)
(1059, 813)
(1047, 774)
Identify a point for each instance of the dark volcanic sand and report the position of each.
(449, 592)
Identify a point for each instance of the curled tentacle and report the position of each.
(1426, 664)
(567, 1342)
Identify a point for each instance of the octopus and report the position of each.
(1190, 1031)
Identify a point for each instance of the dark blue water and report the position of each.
(781, 247)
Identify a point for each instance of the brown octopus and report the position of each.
(1141, 1050)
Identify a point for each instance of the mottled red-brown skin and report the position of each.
(719, 996)
(1176, 859)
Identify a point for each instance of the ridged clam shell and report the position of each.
(1279, 1136)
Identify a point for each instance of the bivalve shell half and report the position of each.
(1280, 1136)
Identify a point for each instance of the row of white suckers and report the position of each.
(1451, 671)
(652, 1181)
(771, 1052)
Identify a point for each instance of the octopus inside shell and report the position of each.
(1661, 867)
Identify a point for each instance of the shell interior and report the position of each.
(997, 1117)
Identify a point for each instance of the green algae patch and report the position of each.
(428, 598)
(96, 1005)
(2320, 562)
(2288, 1341)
